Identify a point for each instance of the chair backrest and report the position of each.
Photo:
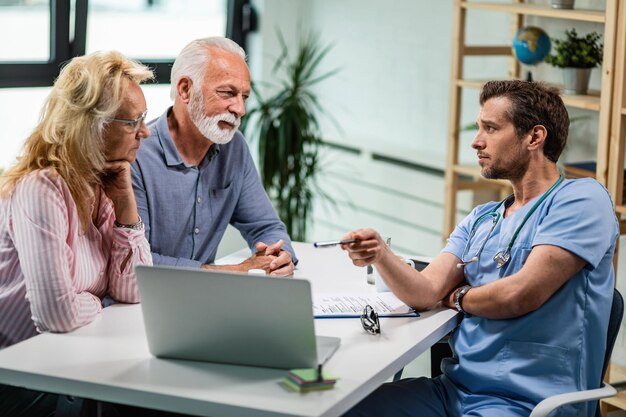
(615, 321)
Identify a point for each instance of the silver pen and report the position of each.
(329, 243)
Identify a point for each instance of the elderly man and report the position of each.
(532, 274)
(194, 175)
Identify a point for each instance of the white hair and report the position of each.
(193, 59)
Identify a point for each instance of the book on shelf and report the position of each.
(580, 169)
(586, 169)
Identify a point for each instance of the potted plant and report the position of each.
(577, 56)
(286, 128)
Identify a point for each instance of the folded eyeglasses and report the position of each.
(369, 320)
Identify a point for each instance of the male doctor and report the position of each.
(532, 274)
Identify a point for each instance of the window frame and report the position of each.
(240, 20)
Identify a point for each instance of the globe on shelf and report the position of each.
(531, 45)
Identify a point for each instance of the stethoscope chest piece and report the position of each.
(502, 258)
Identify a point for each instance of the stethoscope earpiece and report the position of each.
(462, 264)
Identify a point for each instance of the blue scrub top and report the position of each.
(560, 346)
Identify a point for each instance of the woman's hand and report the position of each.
(118, 186)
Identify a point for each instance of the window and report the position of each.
(49, 32)
(38, 36)
(155, 30)
(30, 23)
(35, 37)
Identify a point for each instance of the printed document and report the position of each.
(351, 305)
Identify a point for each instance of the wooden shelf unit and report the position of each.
(599, 101)
(615, 182)
(546, 10)
(589, 101)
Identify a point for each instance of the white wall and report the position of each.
(387, 101)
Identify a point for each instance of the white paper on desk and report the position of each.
(331, 305)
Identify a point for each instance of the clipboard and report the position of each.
(351, 305)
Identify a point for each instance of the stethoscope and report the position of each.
(501, 257)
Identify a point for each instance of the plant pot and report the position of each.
(576, 80)
(562, 4)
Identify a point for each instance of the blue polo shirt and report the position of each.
(186, 208)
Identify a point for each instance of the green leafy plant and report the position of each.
(287, 130)
(577, 52)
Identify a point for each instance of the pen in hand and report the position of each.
(329, 243)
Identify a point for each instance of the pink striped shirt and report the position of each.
(53, 276)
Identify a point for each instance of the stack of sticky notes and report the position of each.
(309, 379)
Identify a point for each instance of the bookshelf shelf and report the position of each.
(538, 10)
(589, 101)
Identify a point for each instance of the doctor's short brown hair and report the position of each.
(532, 104)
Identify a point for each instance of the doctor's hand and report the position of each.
(369, 248)
(282, 265)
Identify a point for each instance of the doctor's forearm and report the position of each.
(502, 299)
(406, 283)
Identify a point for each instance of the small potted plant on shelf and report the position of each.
(577, 56)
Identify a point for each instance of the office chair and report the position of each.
(545, 407)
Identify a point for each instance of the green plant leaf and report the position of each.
(577, 52)
(286, 129)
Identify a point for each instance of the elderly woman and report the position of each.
(70, 234)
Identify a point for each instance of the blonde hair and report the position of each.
(69, 136)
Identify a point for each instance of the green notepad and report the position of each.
(307, 387)
(309, 375)
(305, 380)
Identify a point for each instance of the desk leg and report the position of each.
(68, 406)
(438, 351)
(398, 375)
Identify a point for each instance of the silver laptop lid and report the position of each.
(226, 317)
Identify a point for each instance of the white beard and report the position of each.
(208, 125)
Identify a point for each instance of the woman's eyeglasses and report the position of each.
(133, 124)
(369, 320)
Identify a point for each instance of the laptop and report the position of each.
(231, 318)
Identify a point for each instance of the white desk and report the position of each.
(108, 359)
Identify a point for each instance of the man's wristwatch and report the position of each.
(458, 298)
